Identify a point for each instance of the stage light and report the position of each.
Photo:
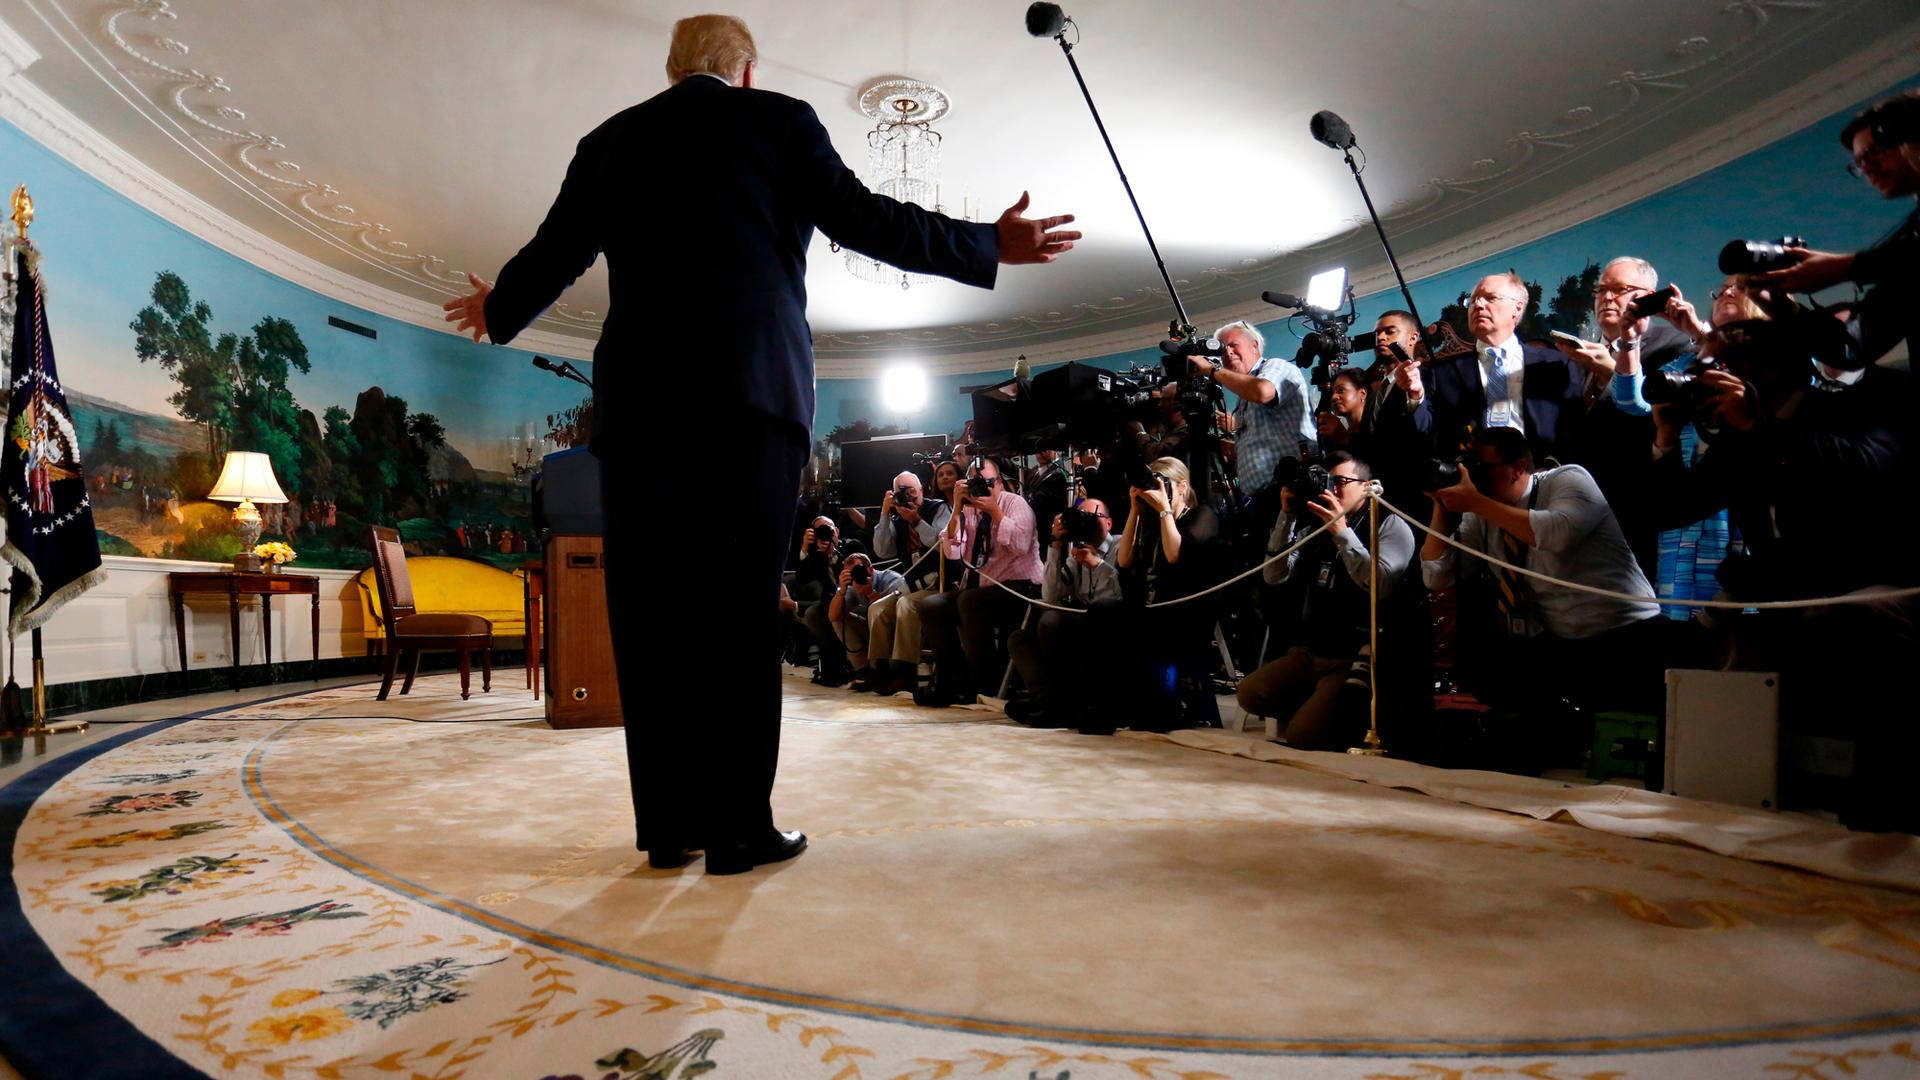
(903, 389)
(1328, 291)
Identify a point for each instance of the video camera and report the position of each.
(1326, 346)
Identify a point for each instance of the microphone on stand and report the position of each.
(1329, 129)
(1045, 20)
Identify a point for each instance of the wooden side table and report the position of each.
(234, 585)
(533, 610)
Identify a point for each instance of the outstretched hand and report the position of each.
(1032, 240)
(470, 310)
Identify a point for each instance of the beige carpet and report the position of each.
(980, 900)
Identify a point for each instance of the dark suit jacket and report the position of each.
(704, 199)
(1551, 398)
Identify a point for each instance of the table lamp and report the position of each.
(247, 476)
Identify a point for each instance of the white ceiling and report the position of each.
(404, 142)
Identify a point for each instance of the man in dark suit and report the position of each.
(704, 199)
(1610, 443)
(1533, 390)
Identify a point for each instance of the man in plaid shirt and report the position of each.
(1272, 418)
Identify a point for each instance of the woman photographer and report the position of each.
(1171, 549)
(1304, 687)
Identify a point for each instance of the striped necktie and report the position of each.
(1512, 592)
(1496, 383)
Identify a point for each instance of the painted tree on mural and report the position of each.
(173, 332)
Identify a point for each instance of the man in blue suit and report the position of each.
(704, 199)
(1535, 391)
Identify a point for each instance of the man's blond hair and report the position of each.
(710, 44)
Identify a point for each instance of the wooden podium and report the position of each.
(581, 688)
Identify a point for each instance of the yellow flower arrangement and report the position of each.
(275, 552)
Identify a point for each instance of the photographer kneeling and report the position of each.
(1552, 645)
(840, 624)
(1304, 686)
(1053, 655)
(909, 528)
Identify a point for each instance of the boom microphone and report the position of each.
(1281, 299)
(1327, 127)
(1045, 20)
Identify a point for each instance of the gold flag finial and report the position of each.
(22, 210)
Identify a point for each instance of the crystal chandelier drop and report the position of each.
(903, 162)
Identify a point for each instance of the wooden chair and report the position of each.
(410, 633)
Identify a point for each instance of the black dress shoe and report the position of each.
(671, 858)
(740, 858)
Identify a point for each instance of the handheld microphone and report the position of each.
(544, 364)
(1194, 347)
(1045, 20)
(1328, 128)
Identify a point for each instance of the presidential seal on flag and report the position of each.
(50, 543)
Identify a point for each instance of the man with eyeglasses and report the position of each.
(1611, 442)
(1504, 384)
(1885, 144)
(1549, 643)
(1306, 688)
(1054, 654)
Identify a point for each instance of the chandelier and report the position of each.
(903, 162)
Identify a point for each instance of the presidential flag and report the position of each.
(50, 542)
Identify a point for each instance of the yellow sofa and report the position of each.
(447, 583)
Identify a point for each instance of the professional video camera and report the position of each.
(1324, 349)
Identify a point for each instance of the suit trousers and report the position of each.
(702, 776)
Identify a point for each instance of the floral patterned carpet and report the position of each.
(317, 895)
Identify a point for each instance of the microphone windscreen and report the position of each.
(1045, 20)
(1022, 369)
(1328, 128)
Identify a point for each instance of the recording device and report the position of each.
(1682, 388)
(563, 369)
(906, 498)
(1082, 529)
(1046, 20)
(1572, 339)
(978, 487)
(1305, 476)
(823, 536)
(1759, 256)
(1326, 345)
(1649, 305)
(1329, 130)
(860, 572)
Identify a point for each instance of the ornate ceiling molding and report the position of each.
(53, 126)
(1793, 109)
(258, 159)
(1526, 151)
(1120, 323)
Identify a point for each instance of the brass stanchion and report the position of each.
(1373, 747)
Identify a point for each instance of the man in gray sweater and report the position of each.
(1549, 643)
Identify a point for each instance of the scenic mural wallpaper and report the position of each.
(173, 352)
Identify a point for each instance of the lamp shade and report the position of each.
(248, 474)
